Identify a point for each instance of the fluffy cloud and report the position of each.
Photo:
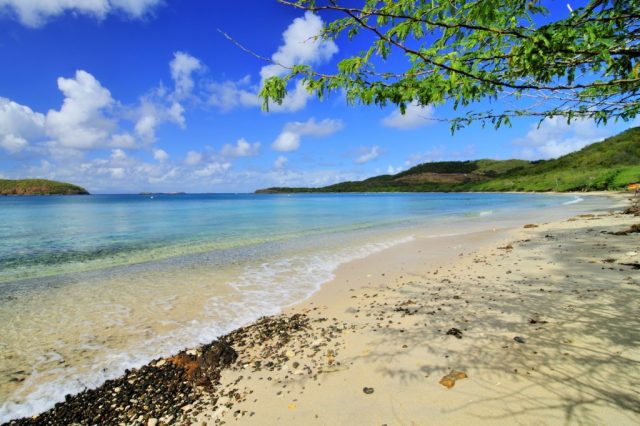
(160, 155)
(182, 68)
(18, 124)
(289, 138)
(82, 121)
(368, 155)
(554, 137)
(300, 46)
(415, 116)
(242, 148)
(34, 13)
(280, 162)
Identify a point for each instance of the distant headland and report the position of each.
(612, 164)
(39, 187)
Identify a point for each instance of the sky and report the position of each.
(126, 96)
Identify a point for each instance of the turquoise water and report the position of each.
(51, 235)
(91, 285)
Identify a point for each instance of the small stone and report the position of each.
(367, 391)
(152, 421)
(455, 332)
(519, 339)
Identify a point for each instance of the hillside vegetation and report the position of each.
(39, 187)
(607, 165)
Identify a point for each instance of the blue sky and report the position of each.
(146, 95)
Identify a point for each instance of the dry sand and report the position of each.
(547, 326)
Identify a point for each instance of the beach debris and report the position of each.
(519, 339)
(507, 247)
(535, 319)
(634, 229)
(632, 265)
(530, 225)
(454, 332)
(450, 379)
(367, 390)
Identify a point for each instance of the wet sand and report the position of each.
(524, 325)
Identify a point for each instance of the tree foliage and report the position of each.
(584, 65)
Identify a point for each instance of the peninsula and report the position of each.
(608, 165)
(39, 187)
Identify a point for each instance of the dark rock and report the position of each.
(519, 339)
(454, 332)
(368, 391)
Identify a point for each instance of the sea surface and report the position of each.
(92, 285)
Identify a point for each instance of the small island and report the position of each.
(39, 187)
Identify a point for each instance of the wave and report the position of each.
(574, 201)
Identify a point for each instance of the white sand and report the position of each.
(386, 323)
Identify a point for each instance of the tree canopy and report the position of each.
(583, 65)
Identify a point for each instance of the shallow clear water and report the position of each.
(92, 285)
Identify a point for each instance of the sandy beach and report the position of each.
(542, 322)
(534, 324)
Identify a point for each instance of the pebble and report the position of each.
(519, 339)
(368, 391)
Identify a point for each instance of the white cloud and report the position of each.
(289, 138)
(229, 95)
(182, 68)
(34, 13)
(193, 158)
(153, 111)
(242, 148)
(554, 137)
(160, 155)
(82, 121)
(280, 162)
(415, 116)
(18, 124)
(213, 168)
(286, 141)
(118, 155)
(370, 154)
(326, 127)
(300, 46)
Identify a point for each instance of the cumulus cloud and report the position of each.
(368, 155)
(554, 138)
(300, 46)
(289, 138)
(182, 68)
(35, 13)
(415, 116)
(280, 162)
(160, 155)
(242, 148)
(18, 124)
(82, 121)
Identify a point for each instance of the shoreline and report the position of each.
(193, 373)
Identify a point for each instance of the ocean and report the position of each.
(93, 285)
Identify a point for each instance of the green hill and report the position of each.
(607, 165)
(39, 187)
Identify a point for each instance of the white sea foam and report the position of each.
(260, 290)
(574, 201)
